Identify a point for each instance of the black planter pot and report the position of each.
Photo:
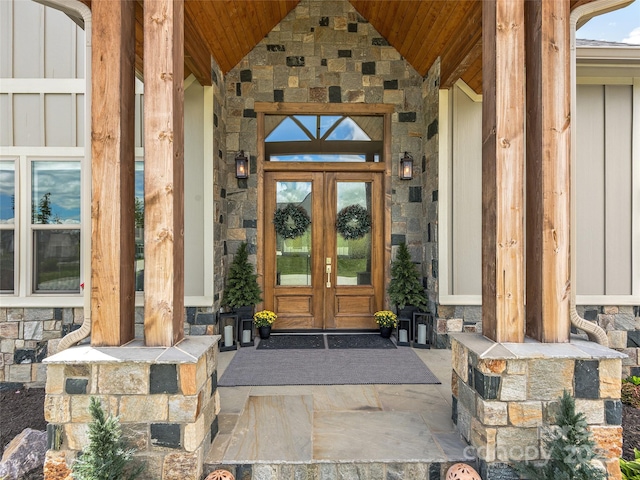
(265, 331)
(244, 312)
(385, 332)
(408, 311)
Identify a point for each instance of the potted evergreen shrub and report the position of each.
(241, 291)
(405, 288)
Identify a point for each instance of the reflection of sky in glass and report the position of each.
(292, 192)
(326, 122)
(352, 193)
(348, 130)
(62, 181)
(288, 131)
(318, 158)
(7, 191)
(139, 180)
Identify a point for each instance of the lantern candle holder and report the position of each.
(229, 331)
(245, 332)
(404, 332)
(421, 327)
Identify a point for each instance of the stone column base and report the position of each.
(166, 399)
(504, 397)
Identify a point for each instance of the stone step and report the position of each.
(330, 470)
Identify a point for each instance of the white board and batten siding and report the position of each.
(607, 194)
(42, 82)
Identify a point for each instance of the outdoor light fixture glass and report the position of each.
(242, 165)
(406, 167)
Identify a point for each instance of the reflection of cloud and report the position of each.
(7, 180)
(292, 192)
(62, 180)
(633, 38)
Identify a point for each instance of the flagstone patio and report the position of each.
(368, 430)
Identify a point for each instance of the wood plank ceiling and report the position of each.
(421, 30)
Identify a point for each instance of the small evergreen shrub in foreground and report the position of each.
(570, 447)
(105, 458)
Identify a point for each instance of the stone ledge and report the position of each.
(577, 348)
(189, 350)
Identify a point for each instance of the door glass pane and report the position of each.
(55, 192)
(56, 260)
(353, 230)
(293, 243)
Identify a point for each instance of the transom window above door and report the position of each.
(324, 138)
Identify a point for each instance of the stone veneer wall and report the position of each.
(325, 52)
(505, 395)
(220, 182)
(166, 400)
(28, 335)
(430, 165)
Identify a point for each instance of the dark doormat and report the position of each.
(359, 341)
(283, 342)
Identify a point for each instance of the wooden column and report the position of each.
(112, 173)
(548, 175)
(164, 172)
(503, 151)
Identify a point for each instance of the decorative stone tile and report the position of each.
(55, 379)
(513, 388)
(593, 410)
(525, 414)
(76, 435)
(485, 439)
(459, 359)
(144, 408)
(608, 439)
(32, 330)
(491, 413)
(548, 379)
(20, 373)
(613, 412)
(163, 378)
(165, 435)
(9, 330)
(516, 444)
(194, 433)
(617, 339)
(492, 366)
(79, 405)
(76, 386)
(180, 466)
(586, 381)
(125, 379)
(184, 409)
(488, 386)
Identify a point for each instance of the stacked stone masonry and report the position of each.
(505, 396)
(166, 399)
(29, 335)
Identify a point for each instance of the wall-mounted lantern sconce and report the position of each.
(242, 165)
(406, 167)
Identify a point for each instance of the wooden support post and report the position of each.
(548, 169)
(503, 170)
(112, 173)
(164, 172)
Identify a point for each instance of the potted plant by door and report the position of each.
(387, 321)
(241, 291)
(405, 287)
(263, 321)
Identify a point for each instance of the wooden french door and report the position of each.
(320, 279)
